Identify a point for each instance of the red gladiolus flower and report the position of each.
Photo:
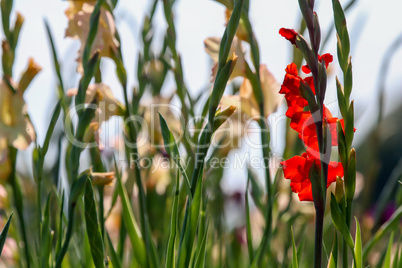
(297, 169)
(327, 58)
(289, 34)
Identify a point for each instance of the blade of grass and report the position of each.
(248, 225)
(55, 58)
(173, 150)
(333, 258)
(186, 245)
(60, 227)
(294, 256)
(46, 244)
(396, 261)
(200, 259)
(77, 190)
(4, 233)
(358, 246)
(132, 229)
(173, 225)
(113, 256)
(19, 205)
(387, 260)
(340, 223)
(93, 228)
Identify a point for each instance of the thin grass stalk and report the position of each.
(265, 137)
(19, 204)
(225, 68)
(84, 119)
(132, 135)
(256, 84)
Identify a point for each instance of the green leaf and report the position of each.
(132, 229)
(60, 227)
(294, 255)
(342, 31)
(50, 129)
(339, 222)
(387, 260)
(93, 29)
(350, 179)
(308, 54)
(308, 94)
(395, 262)
(248, 226)
(341, 98)
(76, 192)
(55, 59)
(225, 67)
(173, 225)
(93, 228)
(349, 126)
(187, 242)
(6, 7)
(202, 230)
(200, 259)
(358, 247)
(173, 150)
(333, 258)
(341, 144)
(4, 233)
(348, 81)
(230, 31)
(46, 244)
(113, 256)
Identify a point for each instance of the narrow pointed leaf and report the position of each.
(340, 223)
(173, 226)
(133, 231)
(248, 226)
(173, 150)
(113, 256)
(46, 235)
(4, 233)
(200, 259)
(333, 258)
(294, 255)
(387, 260)
(358, 247)
(93, 228)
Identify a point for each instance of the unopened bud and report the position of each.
(32, 70)
(339, 192)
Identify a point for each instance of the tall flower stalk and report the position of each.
(347, 154)
(312, 183)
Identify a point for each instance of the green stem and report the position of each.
(18, 203)
(39, 201)
(348, 220)
(319, 223)
(101, 211)
(69, 234)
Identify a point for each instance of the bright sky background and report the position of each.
(373, 26)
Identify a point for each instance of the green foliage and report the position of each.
(139, 216)
(4, 233)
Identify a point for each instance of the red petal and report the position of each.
(306, 69)
(292, 69)
(328, 58)
(289, 34)
(334, 169)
